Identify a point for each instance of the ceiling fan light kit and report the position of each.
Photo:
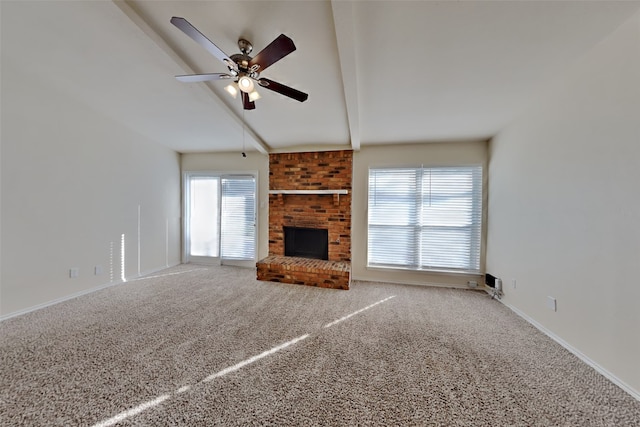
(245, 84)
(254, 96)
(244, 69)
(232, 89)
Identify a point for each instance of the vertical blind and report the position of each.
(425, 218)
(238, 218)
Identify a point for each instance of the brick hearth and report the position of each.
(312, 172)
(305, 271)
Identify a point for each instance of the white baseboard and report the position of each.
(78, 294)
(624, 386)
(415, 283)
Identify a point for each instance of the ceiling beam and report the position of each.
(257, 142)
(344, 27)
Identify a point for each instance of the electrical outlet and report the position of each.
(98, 270)
(513, 283)
(552, 304)
(74, 272)
(472, 284)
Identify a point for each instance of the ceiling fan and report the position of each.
(244, 70)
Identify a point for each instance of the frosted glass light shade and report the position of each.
(232, 90)
(253, 96)
(245, 84)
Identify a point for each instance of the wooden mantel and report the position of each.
(308, 191)
(336, 193)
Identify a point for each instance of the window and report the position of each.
(238, 222)
(425, 218)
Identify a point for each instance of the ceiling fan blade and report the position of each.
(203, 41)
(190, 78)
(282, 89)
(275, 51)
(246, 103)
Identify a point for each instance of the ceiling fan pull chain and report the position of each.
(244, 154)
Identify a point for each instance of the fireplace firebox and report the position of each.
(306, 242)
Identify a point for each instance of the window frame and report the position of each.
(413, 258)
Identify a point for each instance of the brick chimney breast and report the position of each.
(324, 172)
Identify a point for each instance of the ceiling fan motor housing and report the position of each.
(242, 60)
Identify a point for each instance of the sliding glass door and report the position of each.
(220, 219)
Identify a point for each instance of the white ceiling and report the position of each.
(377, 72)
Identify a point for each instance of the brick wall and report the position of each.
(329, 170)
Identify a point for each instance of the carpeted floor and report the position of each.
(198, 346)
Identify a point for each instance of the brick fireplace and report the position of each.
(310, 191)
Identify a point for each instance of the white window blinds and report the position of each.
(238, 218)
(425, 218)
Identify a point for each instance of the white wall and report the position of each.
(564, 207)
(235, 163)
(73, 182)
(428, 154)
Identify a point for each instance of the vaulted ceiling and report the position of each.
(377, 72)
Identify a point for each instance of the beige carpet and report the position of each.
(212, 346)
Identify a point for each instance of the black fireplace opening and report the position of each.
(306, 242)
